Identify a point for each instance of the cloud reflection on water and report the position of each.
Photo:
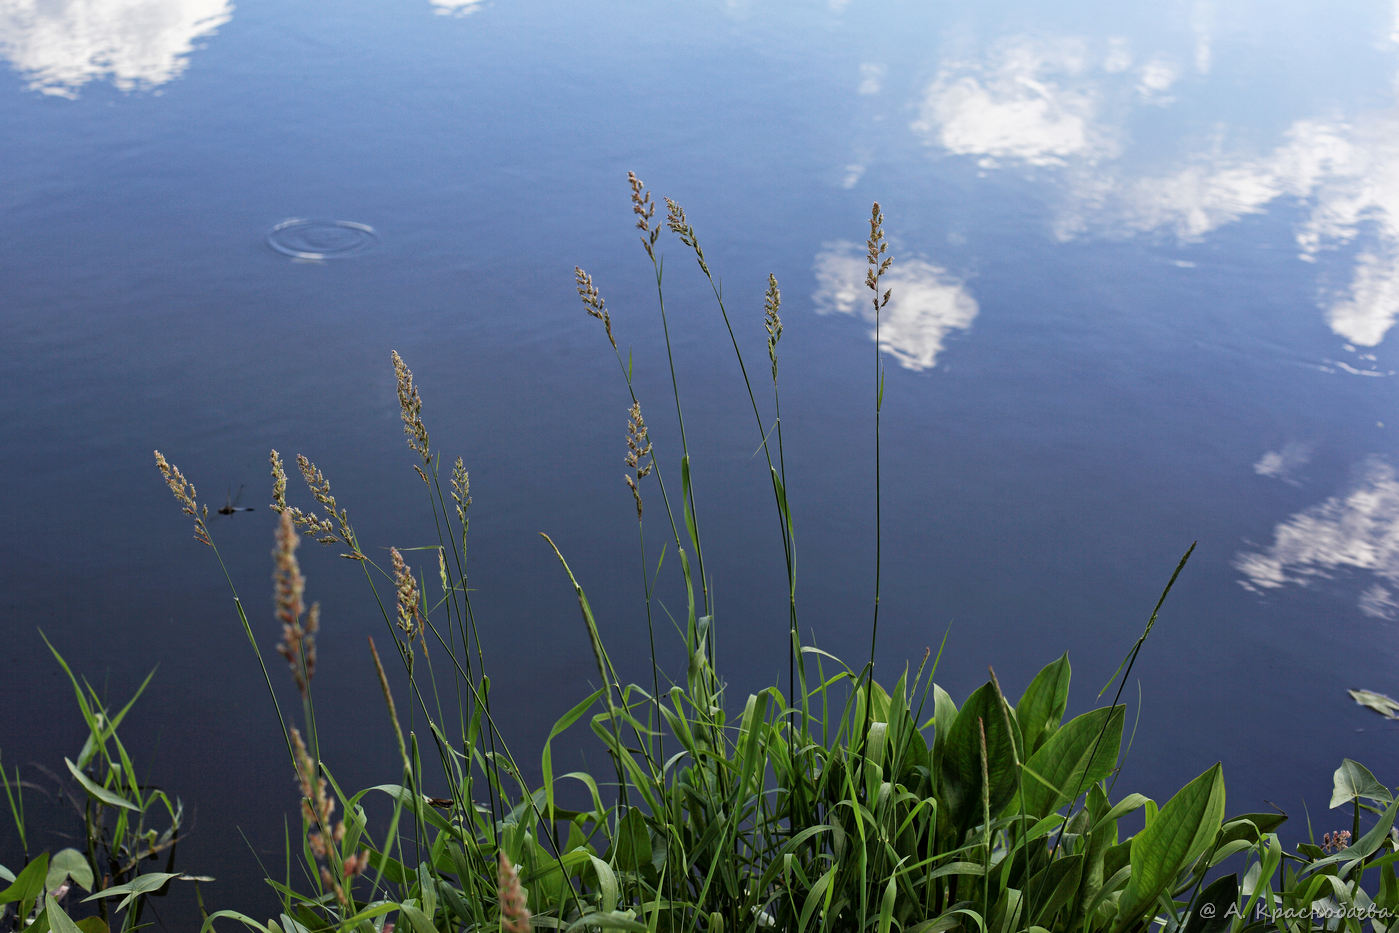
(927, 303)
(1355, 530)
(60, 45)
(1068, 105)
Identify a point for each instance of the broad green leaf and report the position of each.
(97, 790)
(69, 863)
(960, 774)
(59, 922)
(631, 850)
(1352, 780)
(417, 920)
(1176, 837)
(1378, 702)
(1041, 709)
(1062, 769)
(28, 884)
(1214, 910)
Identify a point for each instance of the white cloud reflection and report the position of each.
(456, 7)
(1357, 530)
(61, 45)
(1027, 105)
(927, 302)
(1066, 104)
(1284, 462)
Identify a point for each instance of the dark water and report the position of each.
(1144, 288)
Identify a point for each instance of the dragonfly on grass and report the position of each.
(231, 504)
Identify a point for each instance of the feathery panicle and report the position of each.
(644, 209)
(412, 407)
(638, 445)
(298, 644)
(639, 456)
(593, 302)
(879, 263)
(421, 475)
(461, 489)
(279, 483)
(407, 587)
(772, 320)
(675, 220)
(388, 698)
(514, 915)
(185, 495)
(323, 529)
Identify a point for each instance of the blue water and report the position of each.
(1144, 294)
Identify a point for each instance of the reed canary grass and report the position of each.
(185, 494)
(514, 914)
(411, 407)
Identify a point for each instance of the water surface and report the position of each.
(1144, 287)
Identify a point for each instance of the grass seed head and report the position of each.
(461, 489)
(772, 320)
(593, 303)
(298, 644)
(411, 406)
(185, 494)
(279, 483)
(407, 587)
(644, 209)
(879, 263)
(514, 915)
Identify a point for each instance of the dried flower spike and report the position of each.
(514, 915)
(411, 405)
(185, 494)
(593, 302)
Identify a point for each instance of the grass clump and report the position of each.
(839, 803)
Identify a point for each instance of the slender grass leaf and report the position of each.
(98, 791)
(142, 884)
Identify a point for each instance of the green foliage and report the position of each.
(120, 815)
(837, 804)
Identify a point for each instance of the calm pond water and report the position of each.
(1145, 286)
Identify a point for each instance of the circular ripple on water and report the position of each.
(321, 239)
